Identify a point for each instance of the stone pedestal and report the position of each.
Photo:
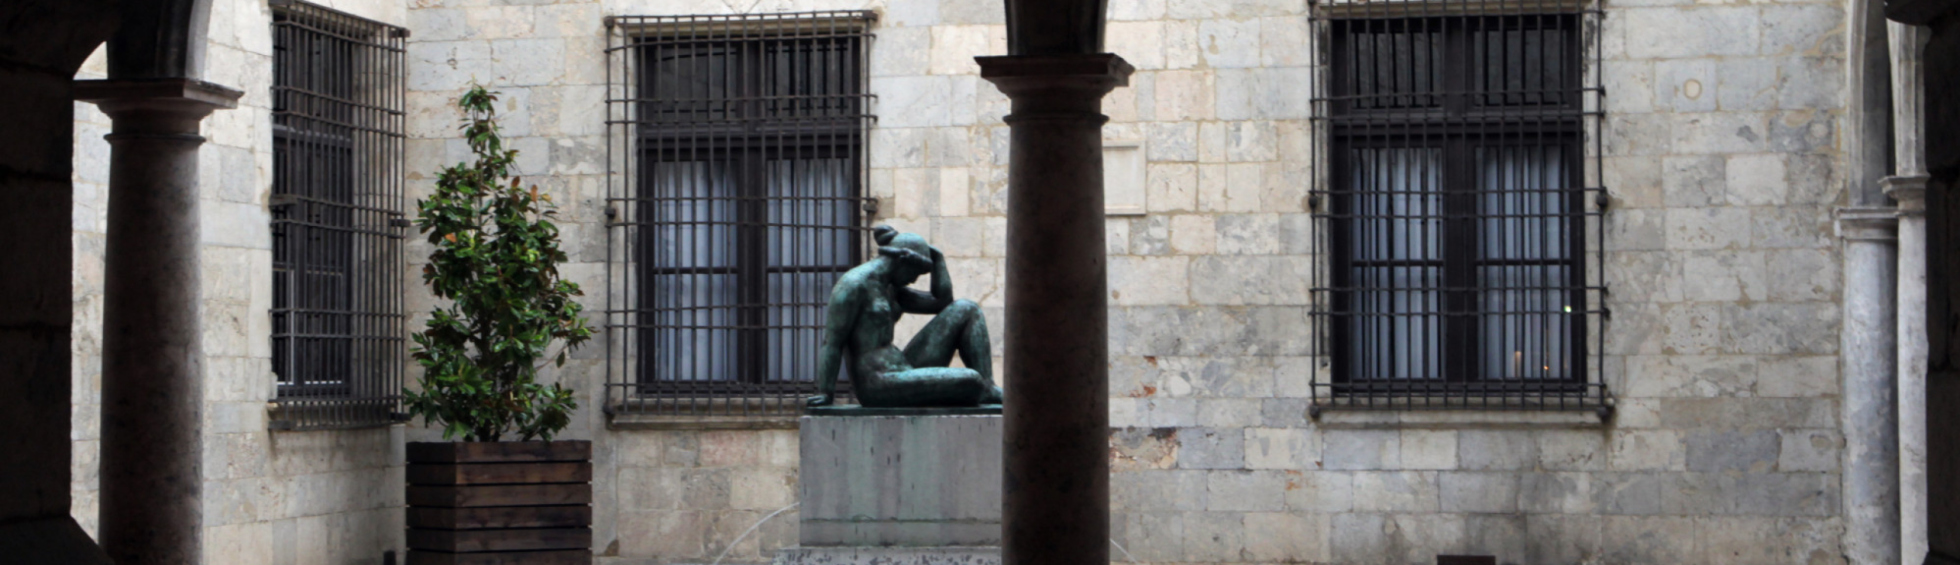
(899, 487)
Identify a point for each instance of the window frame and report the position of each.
(1457, 118)
(754, 124)
(338, 98)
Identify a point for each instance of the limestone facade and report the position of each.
(1722, 151)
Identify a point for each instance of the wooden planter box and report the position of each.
(500, 503)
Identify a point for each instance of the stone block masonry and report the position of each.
(1721, 154)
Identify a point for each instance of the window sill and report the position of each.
(1589, 418)
(313, 414)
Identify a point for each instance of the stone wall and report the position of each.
(287, 498)
(1722, 153)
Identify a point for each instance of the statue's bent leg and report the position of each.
(960, 328)
(925, 387)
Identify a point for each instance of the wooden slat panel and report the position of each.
(461, 541)
(499, 495)
(500, 517)
(498, 473)
(498, 452)
(557, 557)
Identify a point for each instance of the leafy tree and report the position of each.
(496, 261)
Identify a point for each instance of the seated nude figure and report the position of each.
(865, 306)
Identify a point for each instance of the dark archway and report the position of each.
(42, 43)
(1941, 62)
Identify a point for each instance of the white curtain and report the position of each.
(1525, 316)
(1397, 329)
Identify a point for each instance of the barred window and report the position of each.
(1458, 230)
(337, 225)
(736, 200)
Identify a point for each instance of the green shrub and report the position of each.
(496, 261)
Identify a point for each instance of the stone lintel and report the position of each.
(1867, 223)
(1909, 191)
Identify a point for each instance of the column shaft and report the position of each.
(1055, 496)
(1913, 346)
(152, 364)
(1908, 188)
(1869, 357)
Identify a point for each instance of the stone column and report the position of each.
(1868, 354)
(1055, 502)
(1908, 188)
(1910, 192)
(152, 366)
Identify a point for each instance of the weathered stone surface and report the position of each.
(1478, 492)
(1752, 452)
(1395, 491)
(1286, 537)
(1214, 536)
(1361, 449)
(1281, 448)
(1207, 448)
(1694, 181)
(1244, 491)
(1492, 450)
(1167, 491)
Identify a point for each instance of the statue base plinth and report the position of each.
(856, 410)
(914, 480)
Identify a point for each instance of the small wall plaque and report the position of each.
(1123, 178)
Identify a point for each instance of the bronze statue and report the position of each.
(865, 306)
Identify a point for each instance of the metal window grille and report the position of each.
(1458, 203)
(735, 199)
(337, 225)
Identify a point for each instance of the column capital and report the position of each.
(158, 106)
(1867, 223)
(1909, 191)
(1058, 84)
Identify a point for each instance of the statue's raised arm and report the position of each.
(865, 307)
